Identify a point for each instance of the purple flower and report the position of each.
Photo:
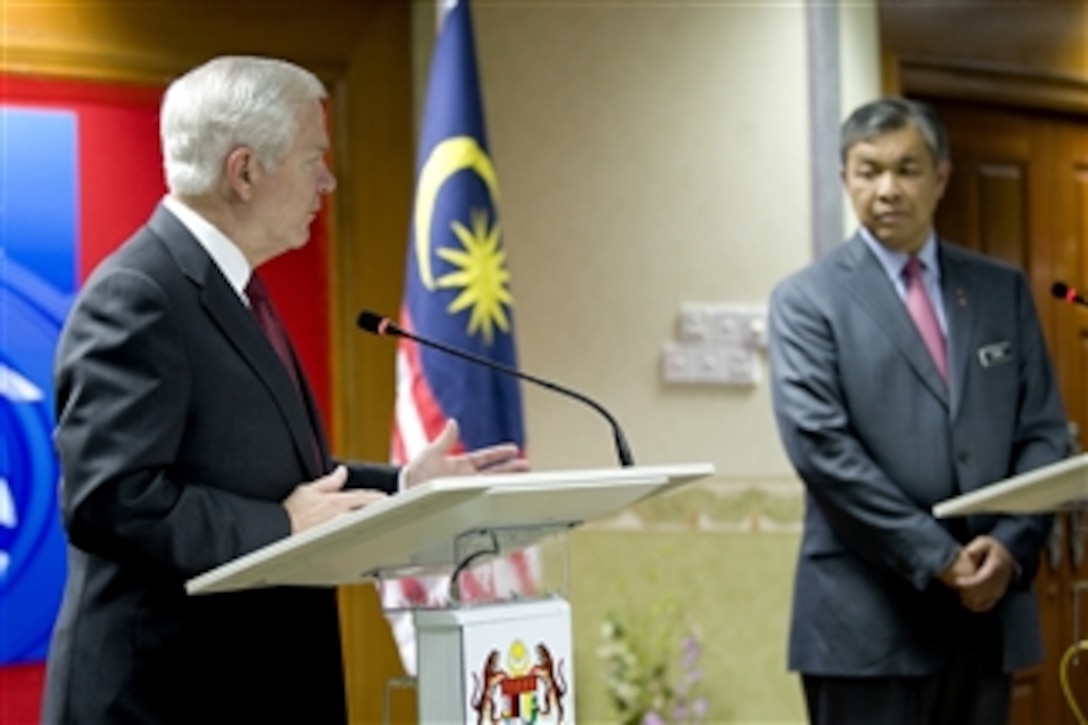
(691, 678)
(652, 718)
(691, 651)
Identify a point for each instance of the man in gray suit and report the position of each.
(188, 435)
(906, 371)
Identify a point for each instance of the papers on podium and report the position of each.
(427, 526)
(1045, 489)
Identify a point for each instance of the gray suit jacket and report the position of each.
(878, 438)
(179, 433)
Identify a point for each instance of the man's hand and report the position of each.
(435, 460)
(316, 502)
(962, 566)
(981, 590)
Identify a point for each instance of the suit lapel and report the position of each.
(236, 323)
(957, 290)
(873, 292)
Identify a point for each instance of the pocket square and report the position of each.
(995, 353)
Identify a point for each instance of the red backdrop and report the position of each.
(120, 181)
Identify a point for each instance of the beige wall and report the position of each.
(651, 154)
(634, 144)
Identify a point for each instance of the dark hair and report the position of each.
(891, 114)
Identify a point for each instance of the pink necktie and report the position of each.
(925, 319)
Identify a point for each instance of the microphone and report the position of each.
(376, 324)
(1064, 292)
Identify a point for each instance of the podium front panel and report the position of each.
(510, 662)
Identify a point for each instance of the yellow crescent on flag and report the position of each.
(446, 159)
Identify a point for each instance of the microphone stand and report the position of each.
(372, 322)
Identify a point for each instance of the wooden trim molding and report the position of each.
(114, 66)
(988, 82)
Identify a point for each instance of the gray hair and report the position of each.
(225, 103)
(892, 114)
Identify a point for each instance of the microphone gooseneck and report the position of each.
(377, 324)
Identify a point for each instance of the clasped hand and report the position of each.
(981, 573)
(317, 501)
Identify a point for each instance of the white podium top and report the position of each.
(1045, 489)
(419, 527)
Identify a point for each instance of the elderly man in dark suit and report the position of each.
(188, 435)
(906, 371)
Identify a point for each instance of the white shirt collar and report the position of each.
(893, 262)
(225, 253)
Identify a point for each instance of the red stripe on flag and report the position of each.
(473, 589)
(399, 455)
(523, 572)
(426, 405)
(413, 591)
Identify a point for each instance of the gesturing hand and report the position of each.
(318, 501)
(435, 461)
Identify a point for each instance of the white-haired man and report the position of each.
(188, 435)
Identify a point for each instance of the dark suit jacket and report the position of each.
(878, 439)
(179, 433)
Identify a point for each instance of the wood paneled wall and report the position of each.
(362, 50)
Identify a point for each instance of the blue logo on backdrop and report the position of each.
(38, 237)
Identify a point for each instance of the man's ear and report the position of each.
(239, 171)
(944, 171)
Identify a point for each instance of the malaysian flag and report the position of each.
(457, 291)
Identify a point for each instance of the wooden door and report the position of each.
(1019, 192)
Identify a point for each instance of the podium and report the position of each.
(476, 662)
(1050, 488)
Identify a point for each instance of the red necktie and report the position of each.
(925, 319)
(269, 322)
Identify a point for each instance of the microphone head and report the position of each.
(373, 322)
(1060, 290)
